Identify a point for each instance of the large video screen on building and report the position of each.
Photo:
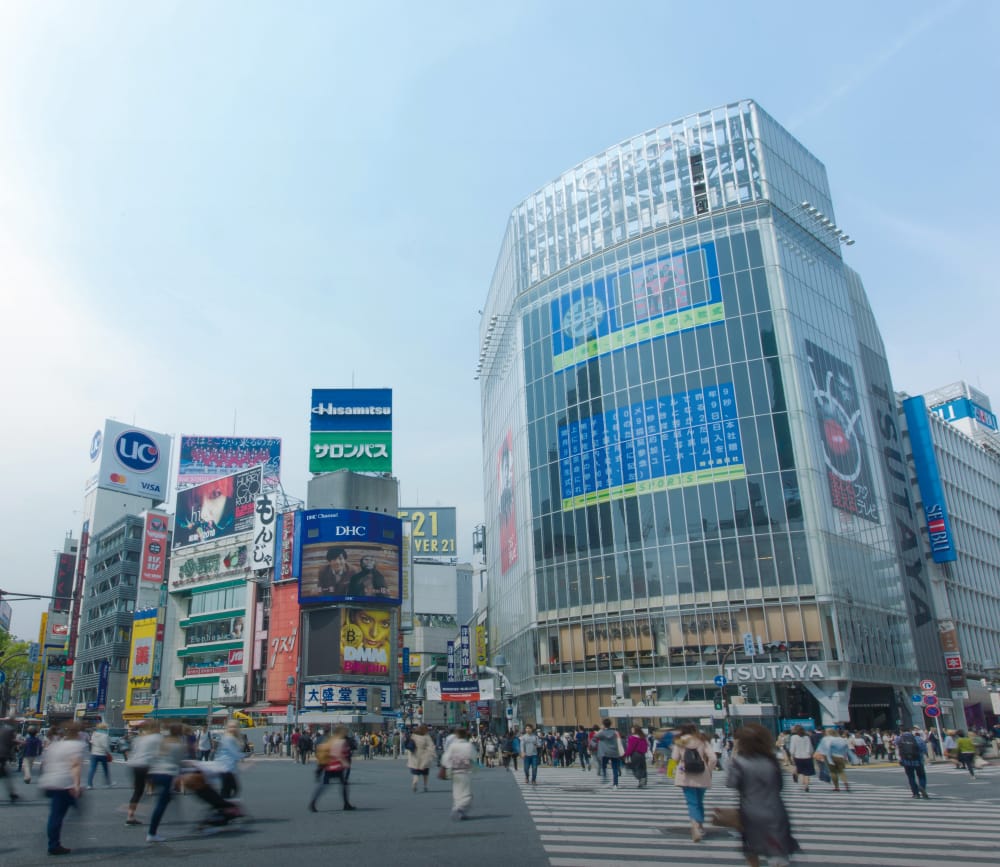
(218, 508)
(348, 641)
(671, 441)
(661, 295)
(205, 458)
(345, 555)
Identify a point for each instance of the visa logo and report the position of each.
(152, 487)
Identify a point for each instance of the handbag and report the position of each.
(671, 768)
(727, 817)
(442, 773)
(109, 757)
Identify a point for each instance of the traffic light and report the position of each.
(776, 647)
(719, 702)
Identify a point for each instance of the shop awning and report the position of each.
(187, 712)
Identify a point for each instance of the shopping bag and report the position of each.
(727, 817)
(671, 768)
(824, 772)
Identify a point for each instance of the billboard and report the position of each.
(140, 668)
(351, 429)
(6, 612)
(337, 696)
(348, 641)
(963, 407)
(62, 582)
(153, 563)
(217, 509)
(508, 518)
(348, 556)
(282, 641)
(841, 433)
(929, 481)
(205, 458)
(660, 296)
(265, 516)
(433, 530)
(672, 441)
(286, 533)
(132, 460)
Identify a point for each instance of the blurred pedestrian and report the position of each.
(695, 761)
(163, 769)
(31, 753)
(912, 748)
(420, 755)
(609, 749)
(458, 758)
(333, 755)
(61, 780)
(755, 773)
(145, 747)
(7, 750)
(635, 755)
(800, 748)
(100, 753)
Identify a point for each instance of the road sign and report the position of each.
(916, 699)
(946, 702)
(930, 700)
(3, 676)
(720, 680)
(928, 685)
(932, 711)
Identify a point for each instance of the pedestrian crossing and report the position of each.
(583, 823)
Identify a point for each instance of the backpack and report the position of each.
(410, 745)
(692, 761)
(907, 747)
(323, 752)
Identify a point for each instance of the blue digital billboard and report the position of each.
(929, 481)
(344, 555)
(657, 297)
(351, 409)
(671, 441)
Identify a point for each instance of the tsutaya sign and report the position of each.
(777, 671)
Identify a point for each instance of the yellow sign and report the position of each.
(139, 698)
(481, 645)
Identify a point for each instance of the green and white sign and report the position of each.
(361, 451)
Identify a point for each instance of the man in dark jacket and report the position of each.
(6, 754)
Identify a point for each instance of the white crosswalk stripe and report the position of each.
(583, 823)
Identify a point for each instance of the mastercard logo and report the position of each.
(118, 478)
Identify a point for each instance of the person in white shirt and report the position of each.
(146, 746)
(100, 749)
(60, 780)
(458, 758)
(800, 748)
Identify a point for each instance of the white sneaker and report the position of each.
(155, 838)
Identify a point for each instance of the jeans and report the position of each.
(530, 766)
(166, 783)
(584, 759)
(96, 760)
(695, 803)
(917, 778)
(60, 800)
(616, 766)
(968, 762)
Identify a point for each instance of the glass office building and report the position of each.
(692, 460)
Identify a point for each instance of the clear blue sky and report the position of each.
(208, 209)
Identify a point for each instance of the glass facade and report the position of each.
(682, 462)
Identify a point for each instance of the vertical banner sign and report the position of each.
(451, 660)
(481, 644)
(287, 524)
(152, 568)
(508, 519)
(406, 660)
(466, 655)
(102, 683)
(264, 518)
(929, 481)
(62, 587)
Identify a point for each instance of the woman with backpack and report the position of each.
(635, 755)
(695, 761)
(420, 755)
(333, 756)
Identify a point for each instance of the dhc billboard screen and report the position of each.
(344, 555)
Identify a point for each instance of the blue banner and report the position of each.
(351, 409)
(451, 660)
(102, 683)
(929, 481)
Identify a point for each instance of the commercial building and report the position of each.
(952, 440)
(692, 460)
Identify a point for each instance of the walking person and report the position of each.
(421, 754)
(581, 737)
(164, 767)
(228, 756)
(61, 780)
(204, 744)
(965, 747)
(100, 752)
(609, 749)
(31, 751)
(458, 759)
(145, 748)
(7, 754)
(912, 749)
(334, 758)
(635, 755)
(800, 748)
(755, 773)
(531, 746)
(833, 751)
(695, 761)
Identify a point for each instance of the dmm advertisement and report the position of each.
(345, 555)
(216, 509)
(354, 641)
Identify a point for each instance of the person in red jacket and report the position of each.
(635, 755)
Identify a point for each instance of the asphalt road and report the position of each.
(391, 825)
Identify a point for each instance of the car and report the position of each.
(117, 740)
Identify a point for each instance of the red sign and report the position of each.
(236, 657)
(953, 661)
(283, 644)
(287, 543)
(154, 549)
